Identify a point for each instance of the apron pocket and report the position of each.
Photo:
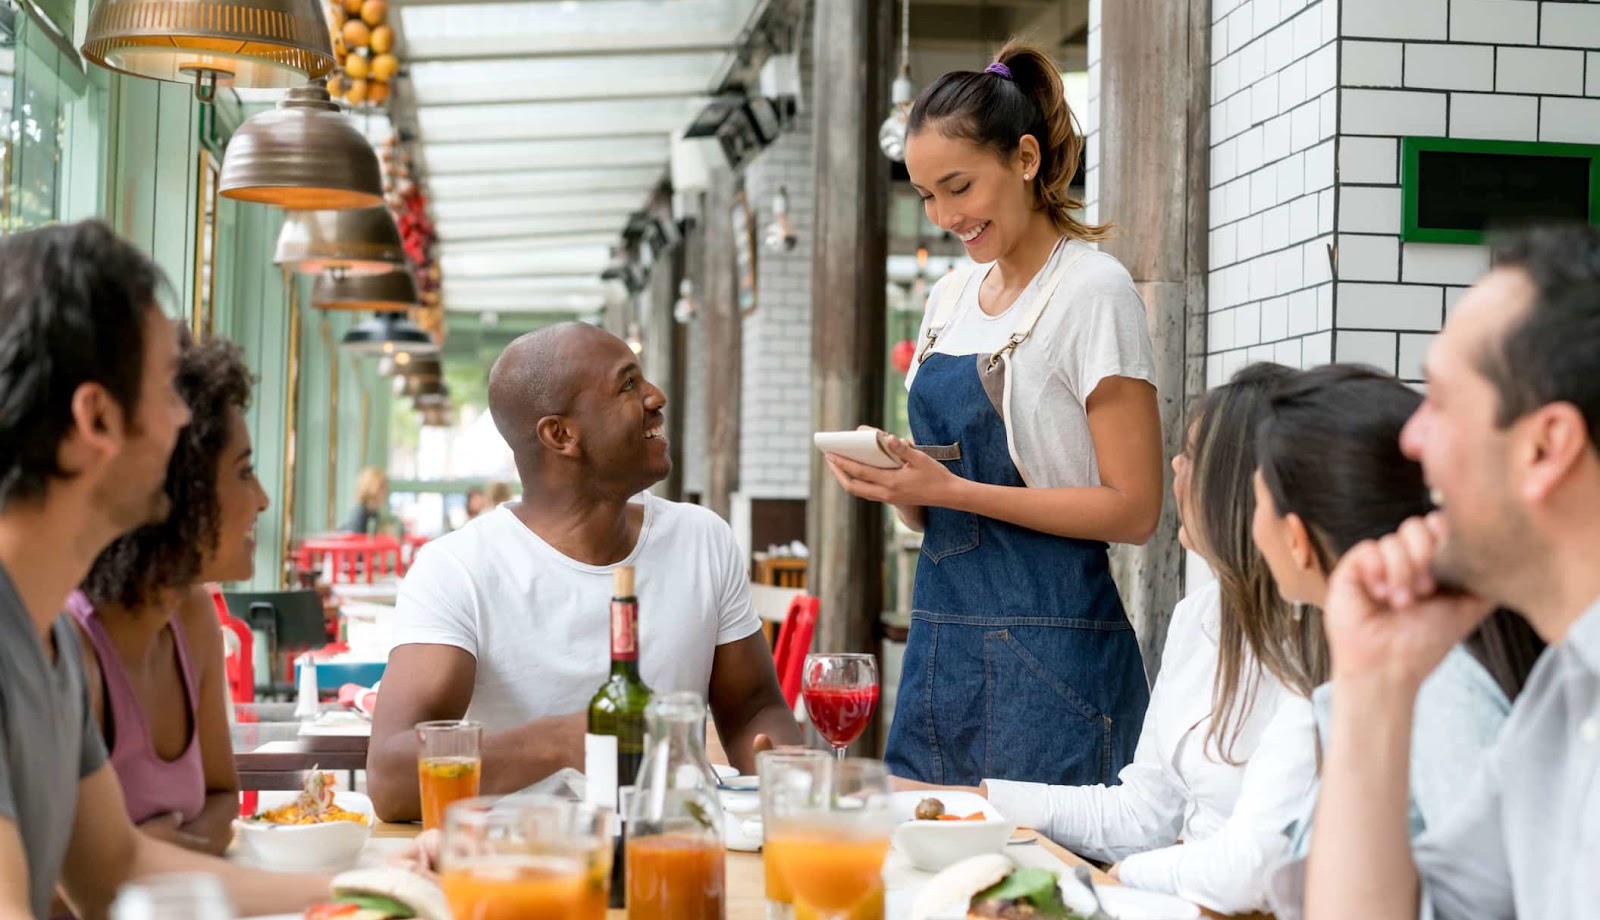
(1039, 727)
(947, 531)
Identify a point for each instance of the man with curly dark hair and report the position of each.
(89, 415)
(154, 668)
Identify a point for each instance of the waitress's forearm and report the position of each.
(1087, 513)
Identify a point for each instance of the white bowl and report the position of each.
(933, 845)
(329, 847)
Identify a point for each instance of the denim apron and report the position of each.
(1021, 663)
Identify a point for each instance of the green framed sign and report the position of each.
(1452, 189)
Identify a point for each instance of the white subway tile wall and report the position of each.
(1521, 70)
(1274, 112)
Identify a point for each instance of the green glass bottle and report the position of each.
(614, 744)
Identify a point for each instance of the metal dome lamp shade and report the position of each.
(422, 374)
(438, 396)
(353, 241)
(435, 416)
(304, 155)
(389, 292)
(387, 334)
(248, 43)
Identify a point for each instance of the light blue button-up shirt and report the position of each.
(1525, 841)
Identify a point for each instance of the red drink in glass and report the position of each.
(841, 714)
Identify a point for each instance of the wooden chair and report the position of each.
(794, 642)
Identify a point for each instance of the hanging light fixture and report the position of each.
(248, 43)
(389, 292)
(780, 236)
(423, 372)
(353, 241)
(436, 416)
(387, 334)
(902, 93)
(304, 155)
(437, 395)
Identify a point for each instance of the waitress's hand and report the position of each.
(921, 481)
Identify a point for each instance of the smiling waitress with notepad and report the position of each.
(1038, 442)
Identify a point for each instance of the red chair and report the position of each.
(240, 665)
(794, 642)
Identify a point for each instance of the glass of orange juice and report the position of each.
(515, 858)
(448, 766)
(784, 773)
(829, 843)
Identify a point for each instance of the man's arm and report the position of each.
(1388, 627)
(747, 703)
(107, 851)
(14, 898)
(426, 682)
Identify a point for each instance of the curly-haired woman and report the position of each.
(153, 645)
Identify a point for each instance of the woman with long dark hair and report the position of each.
(1331, 475)
(1033, 408)
(153, 644)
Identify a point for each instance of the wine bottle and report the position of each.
(614, 744)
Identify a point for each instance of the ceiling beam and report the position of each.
(538, 208)
(508, 229)
(453, 157)
(555, 120)
(567, 44)
(519, 246)
(500, 184)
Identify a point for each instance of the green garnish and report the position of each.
(698, 812)
(1036, 886)
(377, 902)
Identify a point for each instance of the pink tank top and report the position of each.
(151, 786)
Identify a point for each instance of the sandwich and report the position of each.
(381, 894)
(992, 887)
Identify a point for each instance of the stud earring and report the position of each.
(1026, 177)
(1298, 611)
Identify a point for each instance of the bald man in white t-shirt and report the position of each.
(506, 621)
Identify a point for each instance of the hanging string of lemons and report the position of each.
(363, 43)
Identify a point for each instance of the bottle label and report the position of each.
(600, 769)
(624, 631)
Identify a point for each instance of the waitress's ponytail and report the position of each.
(1020, 94)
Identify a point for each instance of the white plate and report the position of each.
(724, 771)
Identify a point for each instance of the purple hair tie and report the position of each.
(998, 68)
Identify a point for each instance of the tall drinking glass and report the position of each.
(174, 896)
(449, 765)
(518, 857)
(831, 841)
(841, 694)
(785, 774)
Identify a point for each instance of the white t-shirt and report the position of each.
(1094, 328)
(539, 623)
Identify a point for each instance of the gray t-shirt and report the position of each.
(48, 739)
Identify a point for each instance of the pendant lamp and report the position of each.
(354, 241)
(424, 372)
(435, 416)
(386, 334)
(248, 43)
(902, 93)
(304, 155)
(437, 396)
(389, 292)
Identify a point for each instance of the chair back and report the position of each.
(238, 645)
(794, 642)
(283, 623)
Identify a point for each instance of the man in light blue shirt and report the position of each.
(1507, 439)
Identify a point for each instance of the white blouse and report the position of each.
(1229, 818)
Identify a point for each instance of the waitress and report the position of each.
(1037, 443)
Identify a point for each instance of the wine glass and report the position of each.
(841, 694)
(829, 838)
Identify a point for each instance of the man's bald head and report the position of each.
(539, 375)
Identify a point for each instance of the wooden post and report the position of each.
(1155, 135)
(675, 378)
(852, 55)
(723, 347)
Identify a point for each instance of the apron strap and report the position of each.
(943, 307)
(1030, 319)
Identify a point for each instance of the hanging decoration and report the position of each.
(364, 46)
(408, 201)
(902, 93)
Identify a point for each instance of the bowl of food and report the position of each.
(319, 829)
(942, 828)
